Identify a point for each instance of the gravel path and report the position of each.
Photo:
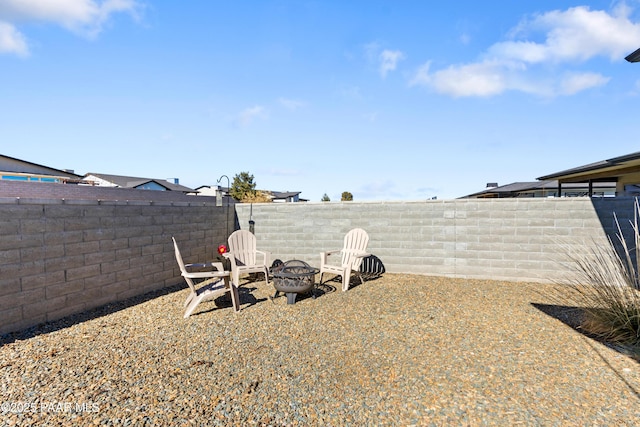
(399, 350)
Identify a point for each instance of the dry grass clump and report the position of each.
(257, 197)
(605, 284)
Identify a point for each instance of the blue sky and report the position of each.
(386, 99)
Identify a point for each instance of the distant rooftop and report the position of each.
(542, 189)
(135, 182)
(615, 164)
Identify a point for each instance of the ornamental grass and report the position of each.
(604, 283)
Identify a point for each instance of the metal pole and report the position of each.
(252, 223)
(228, 189)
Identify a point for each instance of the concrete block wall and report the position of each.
(505, 239)
(60, 257)
(63, 256)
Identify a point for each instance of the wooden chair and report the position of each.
(216, 283)
(352, 253)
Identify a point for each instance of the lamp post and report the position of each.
(218, 196)
(219, 190)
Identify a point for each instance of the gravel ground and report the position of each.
(398, 350)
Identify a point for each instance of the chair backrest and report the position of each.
(183, 269)
(355, 241)
(242, 246)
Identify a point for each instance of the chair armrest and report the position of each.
(205, 274)
(199, 265)
(326, 254)
(215, 265)
(230, 257)
(266, 255)
(337, 251)
(232, 261)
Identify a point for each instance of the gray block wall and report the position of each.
(60, 257)
(505, 239)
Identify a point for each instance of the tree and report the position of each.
(243, 186)
(346, 196)
(325, 198)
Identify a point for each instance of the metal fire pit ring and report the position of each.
(294, 277)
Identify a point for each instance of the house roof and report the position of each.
(505, 189)
(210, 191)
(11, 164)
(515, 188)
(604, 170)
(133, 182)
(213, 187)
(284, 194)
(633, 56)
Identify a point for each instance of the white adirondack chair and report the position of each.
(354, 250)
(244, 256)
(212, 288)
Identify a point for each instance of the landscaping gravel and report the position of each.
(400, 350)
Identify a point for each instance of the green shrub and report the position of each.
(604, 284)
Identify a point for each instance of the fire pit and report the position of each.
(294, 277)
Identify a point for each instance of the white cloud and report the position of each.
(11, 41)
(479, 79)
(576, 34)
(249, 115)
(85, 17)
(575, 83)
(568, 39)
(386, 60)
(389, 61)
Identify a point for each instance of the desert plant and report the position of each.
(604, 284)
(257, 196)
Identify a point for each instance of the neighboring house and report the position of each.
(624, 171)
(221, 193)
(210, 190)
(618, 176)
(287, 196)
(100, 179)
(276, 196)
(23, 179)
(13, 169)
(543, 189)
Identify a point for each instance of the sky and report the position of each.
(386, 99)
